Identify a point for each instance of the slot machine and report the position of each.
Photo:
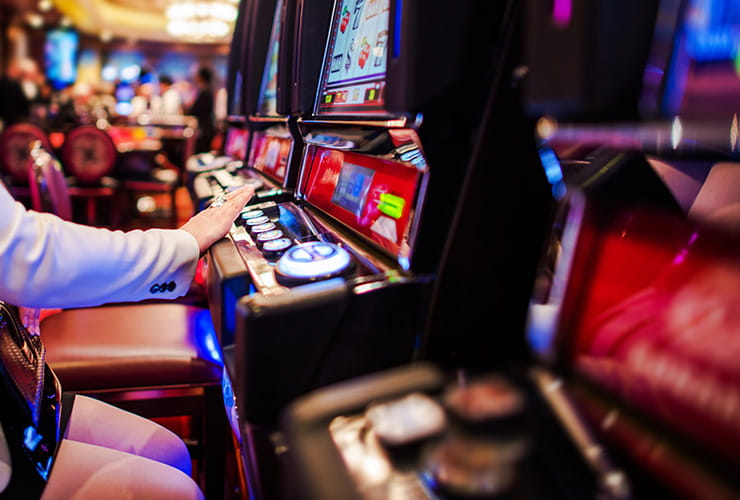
(629, 310)
(624, 310)
(340, 277)
(253, 74)
(270, 102)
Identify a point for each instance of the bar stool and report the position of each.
(154, 359)
(15, 141)
(88, 156)
(166, 174)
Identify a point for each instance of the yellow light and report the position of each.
(201, 20)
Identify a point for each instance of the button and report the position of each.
(261, 228)
(154, 288)
(277, 245)
(251, 214)
(257, 220)
(269, 235)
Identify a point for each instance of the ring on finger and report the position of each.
(219, 201)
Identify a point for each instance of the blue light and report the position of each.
(711, 45)
(31, 438)
(206, 335)
(397, 29)
(553, 171)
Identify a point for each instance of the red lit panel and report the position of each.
(270, 154)
(652, 314)
(236, 143)
(373, 196)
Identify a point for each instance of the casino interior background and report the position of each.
(493, 250)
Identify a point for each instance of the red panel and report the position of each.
(236, 143)
(654, 313)
(270, 154)
(390, 180)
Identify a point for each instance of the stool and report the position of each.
(156, 360)
(88, 156)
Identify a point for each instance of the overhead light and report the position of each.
(203, 20)
(34, 20)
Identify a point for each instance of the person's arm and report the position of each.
(48, 262)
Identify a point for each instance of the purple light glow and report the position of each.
(562, 11)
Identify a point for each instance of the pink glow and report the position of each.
(562, 11)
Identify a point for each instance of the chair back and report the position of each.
(88, 154)
(49, 191)
(15, 142)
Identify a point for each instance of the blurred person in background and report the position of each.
(15, 106)
(203, 109)
(168, 103)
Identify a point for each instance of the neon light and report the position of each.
(397, 29)
(391, 205)
(206, 333)
(562, 12)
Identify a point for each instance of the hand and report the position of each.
(210, 225)
(30, 317)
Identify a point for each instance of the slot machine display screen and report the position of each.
(267, 104)
(236, 143)
(355, 61)
(352, 187)
(60, 57)
(269, 153)
(373, 196)
(702, 79)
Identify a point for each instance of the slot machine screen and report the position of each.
(355, 62)
(60, 57)
(235, 71)
(269, 152)
(235, 145)
(352, 187)
(267, 104)
(697, 67)
(375, 197)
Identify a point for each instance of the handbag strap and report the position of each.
(23, 359)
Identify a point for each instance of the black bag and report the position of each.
(30, 406)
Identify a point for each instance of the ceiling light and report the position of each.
(202, 20)
(34, 20)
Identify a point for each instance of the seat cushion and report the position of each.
(132, 346)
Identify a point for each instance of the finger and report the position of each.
(242, 195)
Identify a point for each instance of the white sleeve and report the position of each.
(48, 262)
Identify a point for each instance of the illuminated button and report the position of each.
(314, 259)
(269, 235)
(254, 221)
(277, 245)
(251, 214)
(261, 228)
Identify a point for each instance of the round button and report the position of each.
(269, 235)
(313, 259)
(261, 228)
(277, 245)
(257, 220)
(251, 214)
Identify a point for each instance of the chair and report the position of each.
(14, 149)
(88, 156)
(167, 171)
(47, 184)
(156, 359)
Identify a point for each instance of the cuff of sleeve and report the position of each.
(183, 271)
